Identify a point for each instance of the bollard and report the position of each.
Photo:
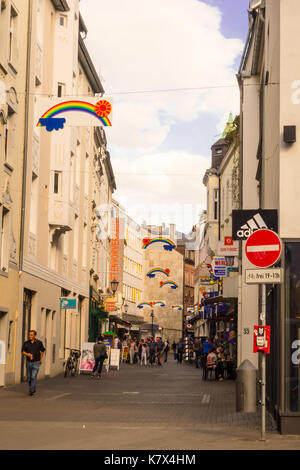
(246, 387)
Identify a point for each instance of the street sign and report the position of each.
(261, 339)
(264, 276)
(219, 266)
(246, 222)
(263, 248)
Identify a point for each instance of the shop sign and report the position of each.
(261, 339)
(68, 304)
(246, 222)
(264, 276)
(219, 266)
(228, 247)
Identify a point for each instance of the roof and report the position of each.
(61, 5)
(88, 66)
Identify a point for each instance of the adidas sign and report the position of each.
(246, 222)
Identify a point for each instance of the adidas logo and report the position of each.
(252, 225)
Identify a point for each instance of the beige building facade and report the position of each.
(14, 17)
(47, 204)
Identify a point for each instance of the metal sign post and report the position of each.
(263, 369)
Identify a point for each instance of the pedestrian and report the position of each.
(159, 350)
(197, 350)
(174, 350)
(166, 350)
(143, 346)
(132, 351)
(206, 347)
(100, 355)
(152, 351)
(179, 350)
(34, 350)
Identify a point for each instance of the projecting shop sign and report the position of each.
(246, 222)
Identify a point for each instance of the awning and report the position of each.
(119, 321)
(133, 319)
(220, 300)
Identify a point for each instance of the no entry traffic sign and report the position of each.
(263, 248)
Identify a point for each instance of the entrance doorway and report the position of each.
(27, 306)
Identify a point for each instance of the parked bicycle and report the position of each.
(72, 363)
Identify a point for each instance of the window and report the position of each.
(216, 200)
(63, 20)
(12, 54)
(61, 89)
(4, 238)
(57, 182)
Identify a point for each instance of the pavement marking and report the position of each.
(58, 396)
(131, 393)
(206, 399)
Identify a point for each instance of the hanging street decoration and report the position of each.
(145, 304)
(159, 302)
(168, 244)
(151, 274)
(172, 284)
(93, 112)
(177, 307)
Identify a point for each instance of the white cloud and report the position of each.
(162, 186)
(155, 45)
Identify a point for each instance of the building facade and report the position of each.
(269, 83)
(14, 25)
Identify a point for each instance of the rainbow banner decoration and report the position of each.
(168, 244)
(159, 302)
(151, 274)
(94, 112)
(145, 304)
(172, 284)
(177, 307)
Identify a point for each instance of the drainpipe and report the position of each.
(26, 128)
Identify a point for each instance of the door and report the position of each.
(27, 305)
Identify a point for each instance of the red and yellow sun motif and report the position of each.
(103, 108)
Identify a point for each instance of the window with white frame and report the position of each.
(4, 238)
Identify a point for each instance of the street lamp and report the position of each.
(114, 286)
(152, 316)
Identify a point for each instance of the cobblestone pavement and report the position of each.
(137, 407)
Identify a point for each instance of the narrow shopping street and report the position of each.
(137, 407)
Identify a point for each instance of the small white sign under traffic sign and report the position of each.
(264, 276)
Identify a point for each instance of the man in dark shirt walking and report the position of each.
(34, 350)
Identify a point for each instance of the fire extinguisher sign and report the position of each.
(261, 339)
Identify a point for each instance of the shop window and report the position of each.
(292, 319)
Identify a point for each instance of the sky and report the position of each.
(170, 67)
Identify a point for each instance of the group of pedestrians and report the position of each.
(213, 354)
(148, 351)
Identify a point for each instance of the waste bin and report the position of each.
(2, 363)
(246, 387)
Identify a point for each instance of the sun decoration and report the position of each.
(103, 108)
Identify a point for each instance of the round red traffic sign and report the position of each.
(263, 248)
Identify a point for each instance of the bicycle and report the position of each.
(72, 362)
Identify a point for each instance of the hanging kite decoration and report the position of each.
(101, 110)
(177, 307)
(168, 244)
(172, 284)
(151, 274)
